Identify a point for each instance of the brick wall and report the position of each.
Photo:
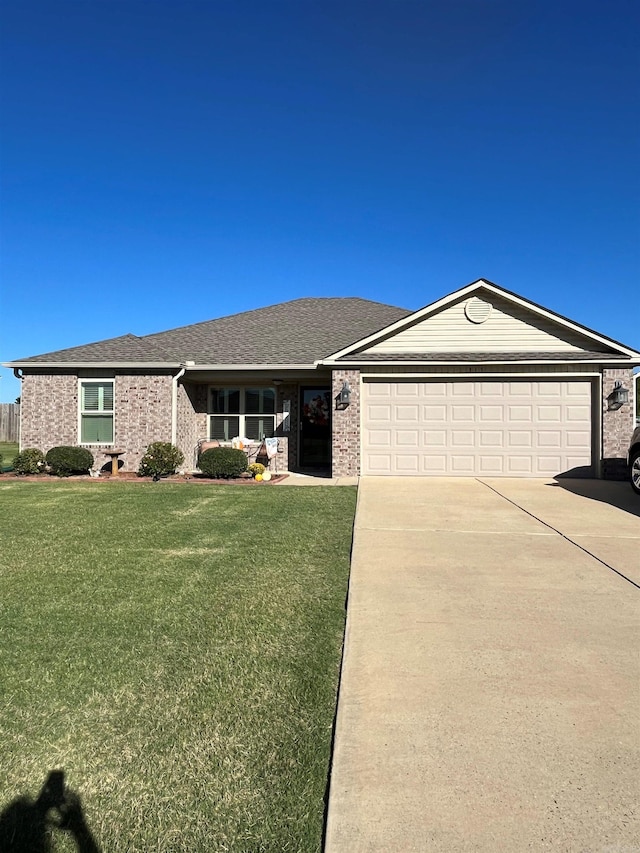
(617, 425)
(345, 426)
(142, 414)
(48, 411)
(192, 421)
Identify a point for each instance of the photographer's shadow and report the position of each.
(30, 826)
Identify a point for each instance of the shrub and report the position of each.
(161, 458)
(63, 461)
(29, 461)
(256, 468)
(222, 463)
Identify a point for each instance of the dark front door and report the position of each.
(315, 428)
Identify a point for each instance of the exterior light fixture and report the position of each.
(344, 397)
(618, 397)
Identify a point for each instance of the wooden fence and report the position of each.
(9, 421)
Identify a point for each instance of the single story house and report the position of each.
(479, 383)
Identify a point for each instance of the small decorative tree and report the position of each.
(161, 459)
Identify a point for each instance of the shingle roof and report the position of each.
(297, 332)
(126, 348)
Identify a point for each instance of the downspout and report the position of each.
(17, 372)
(174, 404)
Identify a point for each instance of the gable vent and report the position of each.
(477, 310)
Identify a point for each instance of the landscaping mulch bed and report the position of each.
(132, 477)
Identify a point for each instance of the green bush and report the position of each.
(161, 458)
(64, 461)
(29, 461)
(222, 463)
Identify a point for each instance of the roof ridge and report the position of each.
(253, 311)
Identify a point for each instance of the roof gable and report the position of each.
(483, 318)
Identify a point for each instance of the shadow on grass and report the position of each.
(30, 826)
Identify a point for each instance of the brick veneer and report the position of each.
(345, 426)
(192, 421)
(49, 417)
(617, 425)
(48, 411)
(142, 414)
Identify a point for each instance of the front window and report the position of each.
(96, 412)
(245, 412)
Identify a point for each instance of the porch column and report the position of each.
(345, 426)
(617, 424)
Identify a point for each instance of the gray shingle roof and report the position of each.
(297, 332)
(126, 348)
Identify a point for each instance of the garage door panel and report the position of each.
(494, 438)
(434, 438)
(380, 438)
(463, 463)
(548, 439)
(490, 413)
(379, 413)
(520, 413)
(504, 428)
(466, 414)
(490, 465)
(519, 438)
(407, 438)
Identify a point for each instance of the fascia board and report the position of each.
(68, 365)
(362, 364)
(232, 367)
(157, 365)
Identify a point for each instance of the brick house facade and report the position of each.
(161, 383)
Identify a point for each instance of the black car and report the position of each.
(633, 460)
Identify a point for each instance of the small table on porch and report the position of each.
(114, 454)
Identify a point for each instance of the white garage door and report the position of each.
(516, 428)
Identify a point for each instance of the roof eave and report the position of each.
(97, 365)
(354, 362)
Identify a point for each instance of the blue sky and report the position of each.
(164, 163)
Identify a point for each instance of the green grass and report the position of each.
(175, 648)
(8, 449)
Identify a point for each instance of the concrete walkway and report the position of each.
(294, 478)
(490, 695)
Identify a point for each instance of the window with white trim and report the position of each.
(96, 411)
(246, 412)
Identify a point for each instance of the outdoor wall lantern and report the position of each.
(618, 397)
(344, 397)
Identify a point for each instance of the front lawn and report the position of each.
(175, 648)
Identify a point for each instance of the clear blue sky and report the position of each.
(170, 162)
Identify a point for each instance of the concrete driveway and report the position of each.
(490, 695)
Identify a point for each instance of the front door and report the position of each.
(315, 427)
